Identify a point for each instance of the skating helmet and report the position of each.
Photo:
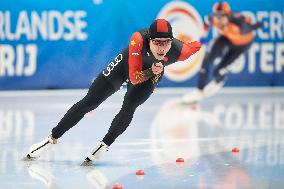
(160, 28)
(221, 8)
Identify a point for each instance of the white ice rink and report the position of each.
(162, 130)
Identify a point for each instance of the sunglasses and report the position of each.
(160, 42)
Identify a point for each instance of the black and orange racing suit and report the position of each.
(234, 39)
(133, 65)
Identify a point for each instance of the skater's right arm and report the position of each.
(136, 74)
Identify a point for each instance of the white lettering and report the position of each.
(262, 16)
(55, 23)
(30, 69)
(9, 35)
(49, 25)
(2, 33)
(12, 62)
(279, 57)
(69, 26)
(80, 25)
(266, 58)
(111, 66)
(20, 60)
(251, 59)
(23, 26)
(7, 57)
(276, 23)
(39, 24)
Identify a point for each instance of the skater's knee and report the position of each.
(86, 104)
(219, 73)
(209, 58)
(129, 107)
(203, 71)
(127, 113)
(123, 118)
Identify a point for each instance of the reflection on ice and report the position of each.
(16, 123)
(203, 134)
(43, 174)
(191, 131)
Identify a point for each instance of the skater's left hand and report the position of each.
(157, 68)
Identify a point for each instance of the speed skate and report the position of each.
(197, 95)
(36, 150)
(95, 154)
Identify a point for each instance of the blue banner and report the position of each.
(65, 44)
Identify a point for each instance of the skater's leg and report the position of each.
(107, 83)
(222, 69)
(233, 53)
(135, 96)
(100, 90)
(214, 51)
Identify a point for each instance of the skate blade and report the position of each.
(86, 163)
(29, 158)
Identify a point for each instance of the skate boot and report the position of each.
(95, 154)
(39, 148)
(193, 97)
